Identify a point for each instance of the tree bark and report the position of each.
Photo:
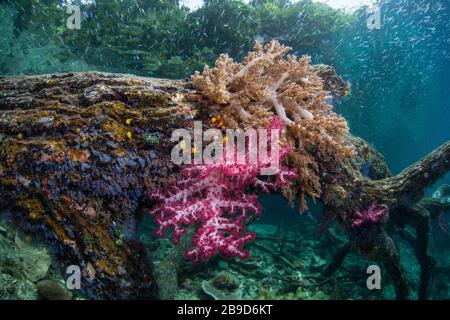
(79, 153)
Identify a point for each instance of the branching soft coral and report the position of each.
(216, 200)
(370, 216)
(266, 80)
(270, 81)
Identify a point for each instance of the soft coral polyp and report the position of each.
(216, 200)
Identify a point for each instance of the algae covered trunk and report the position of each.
(78, 154)
(402, 197)
(81, 151)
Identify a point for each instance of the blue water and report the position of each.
(400, 74)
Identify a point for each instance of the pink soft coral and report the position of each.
(372, 215)
(215, 198)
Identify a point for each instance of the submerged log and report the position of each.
(80, 151)
(402, 195)
(78, 154)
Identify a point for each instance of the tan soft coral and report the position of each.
(271, 81)
(320, 148)
(266, 80)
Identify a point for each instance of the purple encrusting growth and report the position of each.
(370, 216)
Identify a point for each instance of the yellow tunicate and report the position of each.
(84, 139)
(128, 121)
(20, 136)
(225, 139)
(129, 135)
(182, 145)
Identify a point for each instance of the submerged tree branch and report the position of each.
(408, 186)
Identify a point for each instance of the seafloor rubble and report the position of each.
(286, 262)
(26, 270)
(80, 152)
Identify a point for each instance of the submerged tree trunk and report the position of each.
(80, 152)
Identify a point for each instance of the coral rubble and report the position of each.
(23, 265)
(224, 286)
